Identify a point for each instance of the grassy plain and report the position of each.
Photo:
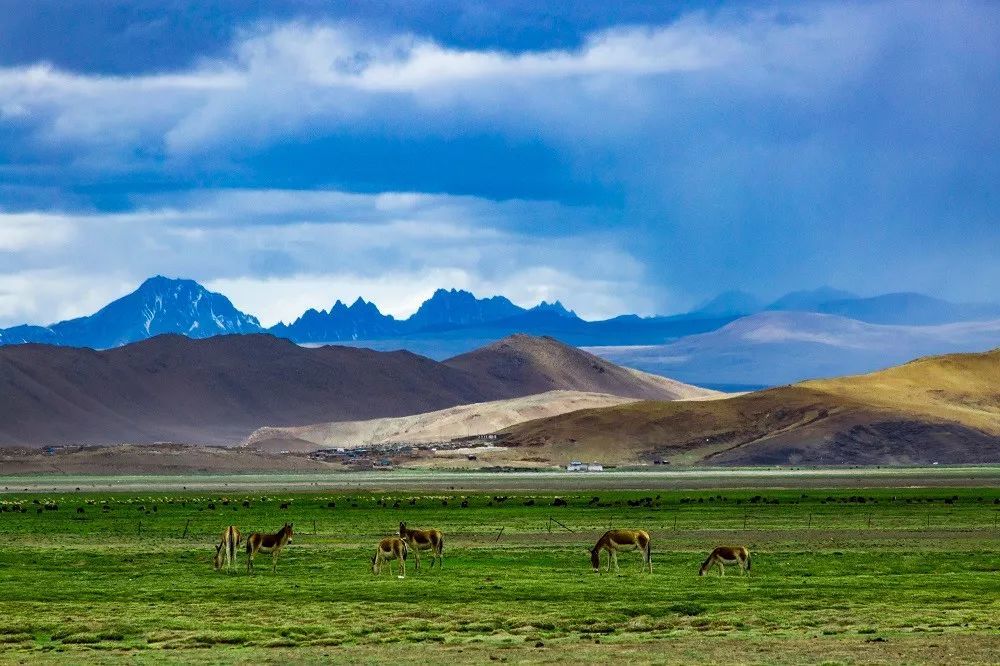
(839, 576)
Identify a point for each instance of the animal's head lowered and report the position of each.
(288, 530)
(595, 559)
(217, 560)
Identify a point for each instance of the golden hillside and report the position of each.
(944, 408)
(958, 387)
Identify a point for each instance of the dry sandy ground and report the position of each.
(430, 427)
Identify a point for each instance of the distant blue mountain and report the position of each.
(360, 321)
(771, 348)
(810, 300)
(453, 321)
(556, 307)
(456, 307)
(159, 305)
(25, 333)
(733, 302)
(908, 309)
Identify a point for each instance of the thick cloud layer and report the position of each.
(636, 166)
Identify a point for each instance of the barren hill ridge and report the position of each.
(218, 390)
(539, 364)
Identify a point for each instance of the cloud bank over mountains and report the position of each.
(636, 167)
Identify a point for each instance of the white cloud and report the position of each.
(22, 231)
(45, 296)
(277, 253)
(281, 79)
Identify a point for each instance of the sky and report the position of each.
(620, 157)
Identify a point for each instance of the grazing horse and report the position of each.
(268, 543)
(418, 540)
(388, 549)
(727, 555)
(226, 550)
(615, 540)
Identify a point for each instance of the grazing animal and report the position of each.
(727, 555)
(615, 540)
(268, 543)
(225, 552)
(388, 549)
(418, 540)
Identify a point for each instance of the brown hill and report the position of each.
(539, 364)
(937, 409)
(218, 390)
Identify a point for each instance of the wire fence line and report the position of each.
(199, 527)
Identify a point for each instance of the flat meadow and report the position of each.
(839, 576)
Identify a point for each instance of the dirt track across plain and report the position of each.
(965, 476)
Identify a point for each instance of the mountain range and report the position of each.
(774, 348)
(732, 342)
(455, 320)
(218, 390)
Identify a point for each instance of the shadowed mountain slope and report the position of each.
(218, 390)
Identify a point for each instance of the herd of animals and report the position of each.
(398, 548)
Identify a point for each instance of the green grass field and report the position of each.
(839, 576)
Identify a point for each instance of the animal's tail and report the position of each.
(441, 545)
(406, 550)
(748, 560)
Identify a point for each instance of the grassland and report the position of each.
(839, 575)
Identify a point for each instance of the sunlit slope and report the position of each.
(429, 427)
(958, 387)
(938, 409)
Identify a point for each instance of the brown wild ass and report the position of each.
(727, 555)
(615, 540)
(226, 550)
(388, 549)
(418, 540)
(268, 543)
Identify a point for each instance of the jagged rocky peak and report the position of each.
(457, 306)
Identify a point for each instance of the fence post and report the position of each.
(186, 525)
(810, 521)
(745, 512)
(314, 527)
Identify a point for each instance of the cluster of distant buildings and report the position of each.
(577, 466)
